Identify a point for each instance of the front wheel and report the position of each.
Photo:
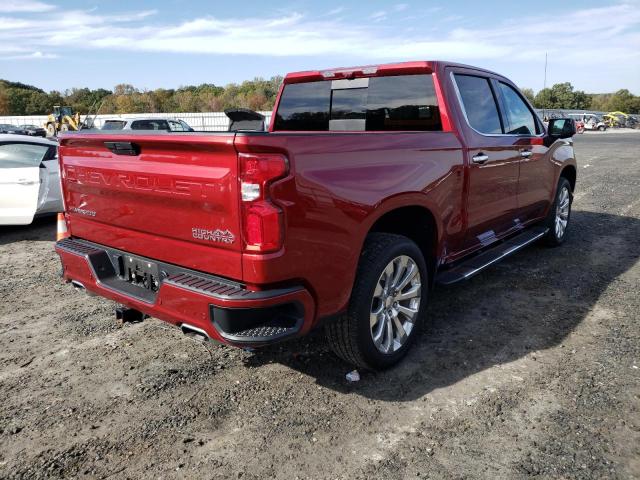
(387, 304)
(559, 214)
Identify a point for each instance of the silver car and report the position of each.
(165, 124)
(29, 179)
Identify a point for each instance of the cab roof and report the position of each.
(385, 69)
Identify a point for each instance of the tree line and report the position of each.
(257, 94)
(563, 96)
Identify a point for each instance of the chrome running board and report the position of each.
(468, 268)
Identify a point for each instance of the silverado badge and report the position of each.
(217, 235)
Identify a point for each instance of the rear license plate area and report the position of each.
(139, 272)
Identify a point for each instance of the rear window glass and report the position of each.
(113, 125)
(400, 103)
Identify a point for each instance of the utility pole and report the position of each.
(544, 85)
(545, 71)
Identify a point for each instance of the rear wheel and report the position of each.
(559, 214)
(51, 130)
(387, 304)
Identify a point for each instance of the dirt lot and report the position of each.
(529, 369)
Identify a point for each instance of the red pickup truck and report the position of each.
(371, 185)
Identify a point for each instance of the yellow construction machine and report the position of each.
(61, 120)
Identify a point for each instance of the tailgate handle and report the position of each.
(123, 148)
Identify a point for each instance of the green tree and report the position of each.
(562, 95)
(39, 103)
(622, 101)
(528, 93)
(4, 102)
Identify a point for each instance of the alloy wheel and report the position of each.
(395, 304)
(562, 212)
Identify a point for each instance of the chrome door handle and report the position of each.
(480, 158)
(25, 182)
(526, 153)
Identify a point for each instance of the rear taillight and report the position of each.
(261, 219)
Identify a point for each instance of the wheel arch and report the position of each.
(570, 173)
(413, 218)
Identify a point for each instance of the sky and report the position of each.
(57, 45)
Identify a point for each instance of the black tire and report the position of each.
(553, 238)
(350, 336)
(602, 128)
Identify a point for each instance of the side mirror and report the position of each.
(562, 127)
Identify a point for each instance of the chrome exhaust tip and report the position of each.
(194, 332)
(80, 287)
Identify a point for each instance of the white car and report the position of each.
(166, 124)
(591, 121)
(29, 179)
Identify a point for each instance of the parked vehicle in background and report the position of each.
(34, 130)
(12, 129)
(167, 125)
(372, 184)
(590, 121)
(620, 120)
(30, 179)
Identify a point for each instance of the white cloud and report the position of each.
(28, 6)
(29, 56)
(399, 7)
(603, 36)
(335, 11)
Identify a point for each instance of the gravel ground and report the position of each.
(529, 369)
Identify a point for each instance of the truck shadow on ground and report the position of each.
(42, 228)
(529, 302)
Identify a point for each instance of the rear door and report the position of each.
(165, 196)
(492, 169)
(19, 181)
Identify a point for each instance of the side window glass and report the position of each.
(478, 103)
(520, 118)
(20, 155)
(150, 125)
(175, 126)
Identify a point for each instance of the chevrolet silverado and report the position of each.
(371, 185)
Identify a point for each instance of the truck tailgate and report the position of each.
(165, 196)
